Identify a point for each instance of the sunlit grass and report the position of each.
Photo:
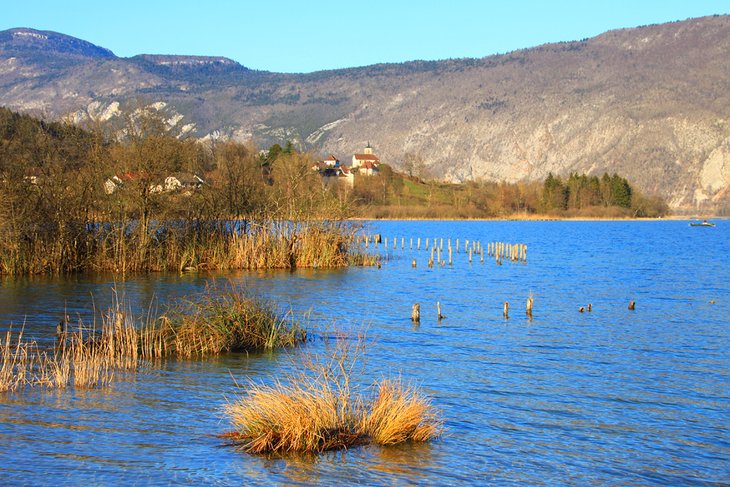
(321, 409)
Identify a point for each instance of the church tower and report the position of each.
(368, 149)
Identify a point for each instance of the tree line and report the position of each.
(58, 215)
(398, 195)
(58, 212)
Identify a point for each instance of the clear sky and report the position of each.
(304, 36)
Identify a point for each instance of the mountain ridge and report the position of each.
(651, 103)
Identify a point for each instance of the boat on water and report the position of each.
(703, 223)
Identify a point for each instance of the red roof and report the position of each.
(331, 158)
(367, 157)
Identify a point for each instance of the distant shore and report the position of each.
(548, 218)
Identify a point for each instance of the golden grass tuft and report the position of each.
(399, 413)
(320, 409)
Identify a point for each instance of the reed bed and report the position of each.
(229, 321)
(178, 246)
(321, 409)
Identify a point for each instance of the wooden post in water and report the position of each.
(451, 262)
(590, 307)
(470, 255)
(632, 305)
(413, 263)
(481, 258)
(411, 243)
(438, 311)
(416, 313)
(505, 310)
(419, 244)
(457, 245)
(528, 307)
(403, 243)
(441, 247)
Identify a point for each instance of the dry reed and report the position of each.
(177, 246)
(320, 409)
(90, 357)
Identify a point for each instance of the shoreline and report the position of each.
(548, 218)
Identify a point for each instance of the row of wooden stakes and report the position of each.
(515, 252)
(416, 309)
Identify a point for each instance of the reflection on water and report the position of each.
(607, 397)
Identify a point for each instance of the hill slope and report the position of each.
(651, 103)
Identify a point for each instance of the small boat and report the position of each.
(703, 223)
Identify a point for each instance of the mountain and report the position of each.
(651, 103)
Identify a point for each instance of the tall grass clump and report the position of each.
(321, 409)
(228, 321)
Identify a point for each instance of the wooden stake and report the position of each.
(416, 313)
(505, 310)
(438, 311)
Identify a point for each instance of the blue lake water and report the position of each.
(610, 397)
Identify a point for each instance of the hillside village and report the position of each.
(333, 171)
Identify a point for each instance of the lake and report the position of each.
(607, 397)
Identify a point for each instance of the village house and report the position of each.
(334, 172)
(183, 181)
(366, 163)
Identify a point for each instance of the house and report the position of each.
(340, 175)
(334, 172)
(115, 183)
(332, 161)
(112, 184)
(366, 163)
(183, 181)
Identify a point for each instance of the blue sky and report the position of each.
(304, 36)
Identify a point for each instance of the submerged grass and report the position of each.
(321, 409)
